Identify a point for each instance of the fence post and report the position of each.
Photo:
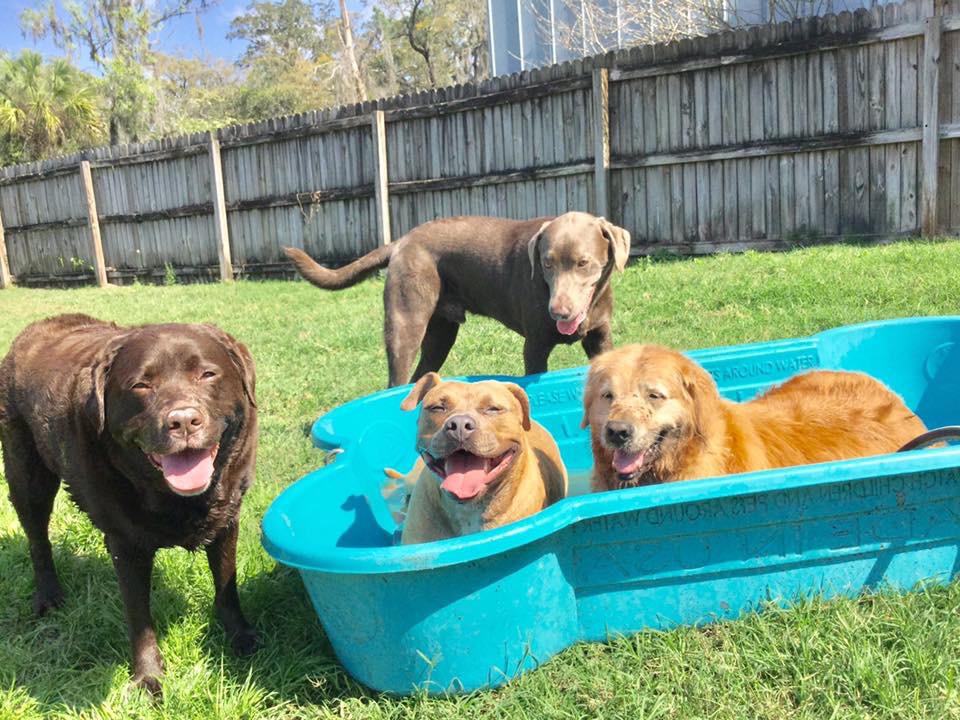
(601, 139)
(219, 209)
(930, 149)
(5, 278)
(381, 180)
(93, 220)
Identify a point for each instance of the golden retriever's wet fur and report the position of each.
(656, 416)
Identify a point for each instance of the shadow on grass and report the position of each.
(69, 657)
(295, 661)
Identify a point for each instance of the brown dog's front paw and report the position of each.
(46, 600)
(149, 681)
(245, 642)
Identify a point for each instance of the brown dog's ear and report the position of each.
(619, 240)
(424, 385)
(94, 404)
(241, 359)
(521, 395)
(532, 248)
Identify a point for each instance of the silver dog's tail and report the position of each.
(344, 277)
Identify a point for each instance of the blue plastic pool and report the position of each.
(476, 611)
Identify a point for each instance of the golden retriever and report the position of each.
(656, 416)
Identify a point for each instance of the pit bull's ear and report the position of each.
(94, 404)
(532, 248)
(520, 394)
(240, 357)
(619, 240)
(424, 385)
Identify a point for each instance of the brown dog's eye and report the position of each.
(208, 374)
(141, 386)
(582, 263)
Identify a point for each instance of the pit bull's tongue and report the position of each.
(188, 472)
(627, 463)
(465, 475)
(569, 327)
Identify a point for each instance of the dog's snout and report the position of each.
(618, 433)
(460, 427)
(560, 309)
(184, 420)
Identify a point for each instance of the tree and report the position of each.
(116, 35)
(45, 109)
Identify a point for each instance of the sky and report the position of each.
(182, 35)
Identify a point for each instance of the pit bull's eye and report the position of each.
(208, 375)
(493, 410)
(436, 408)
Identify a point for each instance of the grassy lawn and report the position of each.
(882, 656)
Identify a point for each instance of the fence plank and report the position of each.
(5, 279)
(601, 140)
(96, 245)
(219, 208)
(381, 180)
(930, 114)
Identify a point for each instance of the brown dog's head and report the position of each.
(577, 254)
(644, 405)
(170, 396)
(469, 434)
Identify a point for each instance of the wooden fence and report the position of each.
(810, 131)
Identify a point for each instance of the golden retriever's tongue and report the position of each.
(188, 472)
(466, 475)
(626, 463)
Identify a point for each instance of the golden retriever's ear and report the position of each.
(424, 385)
(520, 394)
(702, 390)
(619, 240)
(95, 405)
(240, 357)
(532, 248)
(588, 392)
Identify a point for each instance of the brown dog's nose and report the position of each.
(460, 427)
(618, 433)
(184, 420)
(560, 310)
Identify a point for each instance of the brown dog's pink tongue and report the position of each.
(569, 327)
(466, 475)
(626, 463)
(187, 472)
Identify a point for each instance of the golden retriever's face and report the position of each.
(469, 434)
(639, 403)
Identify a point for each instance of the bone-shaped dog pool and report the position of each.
(476, 611)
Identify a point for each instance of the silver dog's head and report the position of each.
(576, 252)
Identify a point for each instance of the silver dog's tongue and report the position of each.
(466, 475)
(188, 472)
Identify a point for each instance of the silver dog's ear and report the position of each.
(94, 404)
(424, 385)
(619, 240)
(240, 357)
(520, 394)
(532, 248)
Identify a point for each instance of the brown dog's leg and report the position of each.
(536, 352)
(32, 491)
(597, 341)
(222, 558)
(441, 334)
(133, 566)
(409, 299)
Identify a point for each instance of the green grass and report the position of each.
(881, 656)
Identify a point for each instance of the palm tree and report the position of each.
(45, 108)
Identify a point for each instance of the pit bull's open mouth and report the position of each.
(188, 472)
(465, 475)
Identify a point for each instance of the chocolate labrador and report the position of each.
(484, 462)
(153, 430)
(547, 279)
